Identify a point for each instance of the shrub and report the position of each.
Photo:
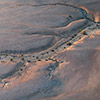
(6, 54)
(52, 50)
(72, 36)
(69, 43)
(75, 34)
(46, 59)
(37, 57)
(83, 32)
(22, 55)
(49, 58)
(22, 59)
(29, 61)
(11, 59)
(42, 54)
(21, 69)
(61, 62)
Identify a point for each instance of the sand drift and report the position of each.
(49, 50)
(32, 28)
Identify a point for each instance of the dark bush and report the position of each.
(69, 43)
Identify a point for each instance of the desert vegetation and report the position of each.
(49, 49)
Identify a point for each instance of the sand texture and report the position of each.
(49, 50)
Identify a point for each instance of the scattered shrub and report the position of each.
(75, 34)
(61, 62)
(11, 59)
(46, 59)
(49, 58)
(42, 54)
(22, 59)
(47, 52)
(72, 36)
(22, 55)
(69, 43)
(6, 54)
(39, 60)
(21, 69)
(37, 57)
(52, 50)
(29, 61)
(83, 32)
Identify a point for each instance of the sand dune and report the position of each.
(49, 50)
(77, 77)
(18, 22)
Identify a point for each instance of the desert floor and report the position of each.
(49, 50)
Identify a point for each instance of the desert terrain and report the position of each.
(49, 50)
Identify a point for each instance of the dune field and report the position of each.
(49, 49)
